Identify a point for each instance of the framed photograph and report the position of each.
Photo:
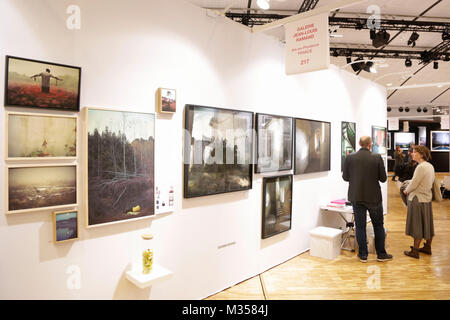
(40, 84)
(348, 140)
(218, 151)
(40, 187)
(440, 141)
(277, 205)
(274, 142)
(422, 137)
(312, 146)
(404, 140)
(167, 100)
(379, 139)
(120, 157)
(388, 140)
(40, 136)
(65, 226)
(164, 198)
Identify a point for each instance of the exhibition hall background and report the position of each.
(127, 49)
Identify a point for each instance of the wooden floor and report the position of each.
(306, 277)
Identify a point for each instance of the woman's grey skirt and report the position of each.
(419, 220)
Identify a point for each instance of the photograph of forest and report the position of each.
(218, 151)
(34, 136)
(41, 187)
(39, 84)
(120, 160)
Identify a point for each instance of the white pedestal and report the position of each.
(325, 242)
(158, 274)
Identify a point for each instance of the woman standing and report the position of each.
(398, 157)
(419, 221)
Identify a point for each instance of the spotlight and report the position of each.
(400, 109)
(435, 65)
(412, 40)
(389, 109)
(425, 109)
(349, 60)
(263, 4)
(406, 109)
(426, 56)
(380, 38)
(408, 62)
(419, 109)
(368, 67)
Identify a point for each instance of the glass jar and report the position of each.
(147, 254)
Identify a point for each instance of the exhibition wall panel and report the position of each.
(127, 50)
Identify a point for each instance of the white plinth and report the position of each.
(158, 274)
(325, 242)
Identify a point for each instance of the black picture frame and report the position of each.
(258, 168)
(265, 230)
(328, 167)
(189, 142)
(344, 126)
(11, 100)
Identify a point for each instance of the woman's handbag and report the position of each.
(436, 191)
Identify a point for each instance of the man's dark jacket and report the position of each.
(363, 170)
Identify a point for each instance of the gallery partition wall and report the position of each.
(222, 74)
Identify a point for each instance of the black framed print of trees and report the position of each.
(277, 205)
(40, 84)
(120, 165)
(348, 140)
(274, 136)
(312, 146)
(218, 151)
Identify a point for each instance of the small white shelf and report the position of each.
(158, 274)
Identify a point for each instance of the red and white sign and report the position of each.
(307, 44)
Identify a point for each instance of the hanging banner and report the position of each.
(307, 44)
(393, 124)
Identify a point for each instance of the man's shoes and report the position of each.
(362, 258)
(384, 257)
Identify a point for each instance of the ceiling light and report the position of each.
(445, 35)
(419, 109)
(412, 40)
(440, 85)
(406, 109)
(380, 38)
(400, 109)
(263, 4)
(389, 84)
(435, 65)
(425, 109)
(408, 62)
(389, 109)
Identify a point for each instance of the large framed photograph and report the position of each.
(312, 146)
(65, 226)
(218, 151)
(40, 84)
(167, 100)
(40, 187)
(348, 140)
(119, 162)
(440, 141)
(274, 136)
(379, 139)
(277, 205)
(404, 140)
(40, 136)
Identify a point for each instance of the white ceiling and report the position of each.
(393, 70)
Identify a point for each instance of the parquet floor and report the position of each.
(405, 278)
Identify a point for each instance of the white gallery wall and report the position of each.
(127, 49)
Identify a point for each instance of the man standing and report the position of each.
(363, 170)
(46, 76)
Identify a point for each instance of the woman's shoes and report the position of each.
(414, 253)
(425, 249)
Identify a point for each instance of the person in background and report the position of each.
(364, 170)
(399, 161)
(419, 220)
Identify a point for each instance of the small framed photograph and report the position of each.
(65, 225)
(167, 100)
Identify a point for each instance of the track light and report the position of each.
(419, 109)
(389, 109)
(400, 109)
(412, 40)
(406, 109)
(263, 4)
(435, 65)
(408, 62)
(425, 109)
(379, 38)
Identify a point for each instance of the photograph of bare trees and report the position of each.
(120, 161)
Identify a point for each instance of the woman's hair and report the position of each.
(424, 151)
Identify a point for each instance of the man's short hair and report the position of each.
(365, 141)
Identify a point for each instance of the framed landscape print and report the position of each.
(218, 151)
(440, 141)
(40, 136)
(40, 187)
(39, 84)
(120, 151)
(379, 139)
(348, 140)
(274, 136)
(404, 140)
(167, 100)
(65, 226)
(312, 146)
(277, 205)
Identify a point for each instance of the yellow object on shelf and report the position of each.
(147, 260)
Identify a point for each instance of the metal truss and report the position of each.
(308, 5)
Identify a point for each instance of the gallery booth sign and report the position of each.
(307, 44)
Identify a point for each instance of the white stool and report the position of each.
(325, 242)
